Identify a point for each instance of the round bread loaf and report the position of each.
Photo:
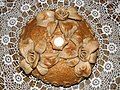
(59, 47)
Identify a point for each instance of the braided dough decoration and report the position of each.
(63, 65)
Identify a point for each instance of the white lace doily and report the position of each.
(102, 15)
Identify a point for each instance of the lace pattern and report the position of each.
(102, 15)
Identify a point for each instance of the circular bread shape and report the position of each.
(54, 67)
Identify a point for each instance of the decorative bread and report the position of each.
(58, 47)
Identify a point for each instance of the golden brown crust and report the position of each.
(33, 31)
(59, 75)
(63, 66)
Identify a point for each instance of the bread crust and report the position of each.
(75, 30)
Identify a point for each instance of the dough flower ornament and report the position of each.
(61, 14)
(88, 51)
(66, 17)
(69, 13)
(83, 69)
(87, 54)
(58, 47)
(50, 19)
(31, 57)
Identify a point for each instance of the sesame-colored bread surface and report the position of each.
(63, 65)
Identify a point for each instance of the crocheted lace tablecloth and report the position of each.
(102, 15)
